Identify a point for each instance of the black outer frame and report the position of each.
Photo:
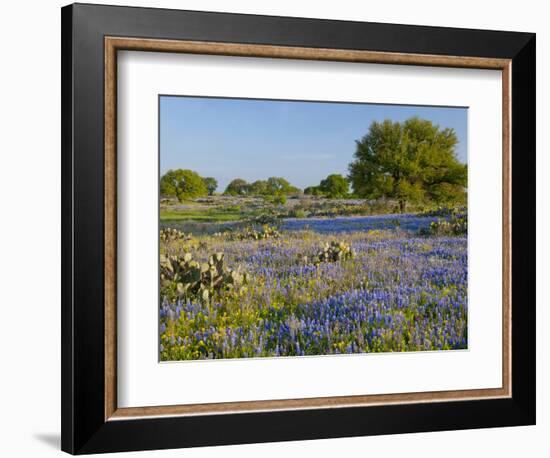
(84, 429)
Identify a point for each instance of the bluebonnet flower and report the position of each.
(400, 293)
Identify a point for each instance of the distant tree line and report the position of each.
(273, 186)
(410, 162)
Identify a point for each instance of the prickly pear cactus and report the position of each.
(183, 278)
(174, 242)
(455, 224)
(170, 234)
(250, 233)
(333, 252)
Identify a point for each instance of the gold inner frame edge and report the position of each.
(114, 44)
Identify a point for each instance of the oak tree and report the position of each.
(412, 162)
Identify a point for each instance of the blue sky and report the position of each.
(255, 139)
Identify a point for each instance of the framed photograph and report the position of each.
(281, 228)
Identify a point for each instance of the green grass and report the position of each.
(207, 216)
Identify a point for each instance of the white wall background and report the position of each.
(30, 226)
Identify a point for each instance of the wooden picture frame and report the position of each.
(91, 419)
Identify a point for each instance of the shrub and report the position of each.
(279, 199)
(298, 213)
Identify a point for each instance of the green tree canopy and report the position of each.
(312, 191)
(259, 188)
(237, 187)
(184, 184)
(211, 184)
(334, 186)
(277, 186)
(412, 162)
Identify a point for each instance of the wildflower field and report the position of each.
(313, 286)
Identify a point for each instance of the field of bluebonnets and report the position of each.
(310, 282)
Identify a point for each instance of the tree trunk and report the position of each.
(402, 206)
